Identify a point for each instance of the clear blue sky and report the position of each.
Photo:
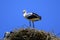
(11, 15)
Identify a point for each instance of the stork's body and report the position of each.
(31, 17)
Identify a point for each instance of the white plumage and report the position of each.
(26, 14)
(31, 16)
(7, 34)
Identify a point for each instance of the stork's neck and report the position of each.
(25, 14)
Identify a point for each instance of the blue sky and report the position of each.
(11, 15)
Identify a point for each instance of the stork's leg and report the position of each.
(33, 24)
(29, 23)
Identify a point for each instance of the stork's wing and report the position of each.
(37, 15)
(34, 16)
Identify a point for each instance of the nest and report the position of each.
(30, 34)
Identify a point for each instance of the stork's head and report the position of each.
(24, 11)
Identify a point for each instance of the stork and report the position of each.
(7, 34)
(32, 17)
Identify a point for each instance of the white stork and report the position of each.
(31, 17)
(7, 34)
